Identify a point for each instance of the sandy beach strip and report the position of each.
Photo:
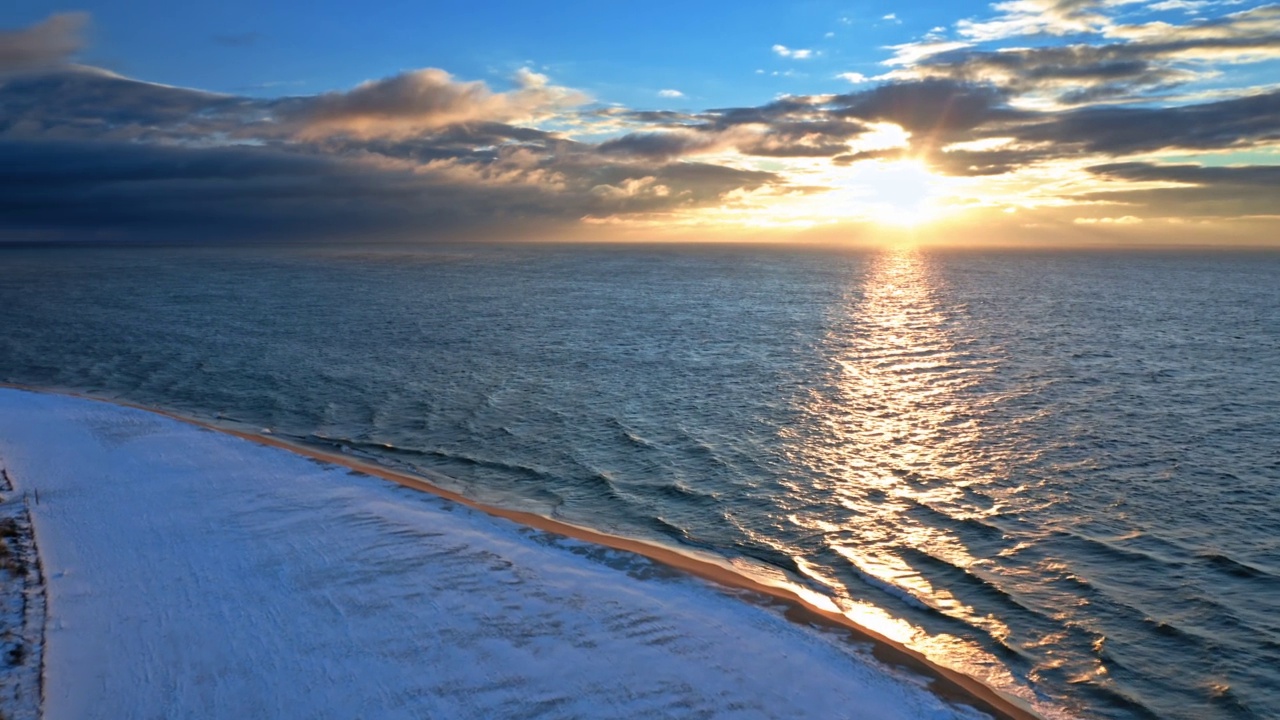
(251, 535)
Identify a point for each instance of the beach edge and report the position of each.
(951, 685)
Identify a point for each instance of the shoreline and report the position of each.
(944, 682)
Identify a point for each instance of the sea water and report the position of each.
(1056, 471)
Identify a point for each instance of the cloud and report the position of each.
(246, 192)
(139, 157)
(1192, 174)
(1123, 220)
(1040, 17)
(1076, 127)
(424, 100)
(632, 188)
(1139, 59)
(86, 150)
(967, 129)
(780, 109)
(936, 109)
(788, 127)
(1252, 29)
(663, 145)
(815, 139)
(45, 44)
(795, 139)
(1187, 5)
(793, 53)
(1073, 74)
(961, 128)
(1236, 123)
(1190, 190)
(915, 52)
(77, 102)
(149, 190)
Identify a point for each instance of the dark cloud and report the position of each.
(782, 138)
(44, 44)
(661, 145)
(940, 110)
(81, 102)
(1239, 122)
(1191, 174)
(800, 126)
(976, 163)
(787, 107)
(1074, 74)
(471, 141)
(87, 148)
(822, 137)
(790, 127)
(245, 192)
(773, 147)
(1200, 190)
(667, 118)
(153, 190)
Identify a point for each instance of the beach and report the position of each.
(192, 573)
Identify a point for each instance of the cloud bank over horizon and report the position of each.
(1044, 118)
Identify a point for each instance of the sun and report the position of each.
(901, 193)
(896, 195)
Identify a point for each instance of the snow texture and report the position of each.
(193, 574)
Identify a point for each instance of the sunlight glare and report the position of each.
(899, 192)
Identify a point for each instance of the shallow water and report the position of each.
(1055, 471)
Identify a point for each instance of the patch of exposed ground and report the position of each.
(22, 607)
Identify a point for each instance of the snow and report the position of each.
(193, 574)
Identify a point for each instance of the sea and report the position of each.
(1056, 471)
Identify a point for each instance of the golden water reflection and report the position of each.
(891, 438)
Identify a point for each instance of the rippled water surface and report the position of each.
(1056, 471)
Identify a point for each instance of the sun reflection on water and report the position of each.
(893, 450)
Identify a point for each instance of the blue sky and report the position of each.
(1107, 120)
(620, 52)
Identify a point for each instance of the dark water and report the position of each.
(1058, 472)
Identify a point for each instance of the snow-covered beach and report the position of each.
(193, 573)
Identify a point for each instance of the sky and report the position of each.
(1021, 123)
